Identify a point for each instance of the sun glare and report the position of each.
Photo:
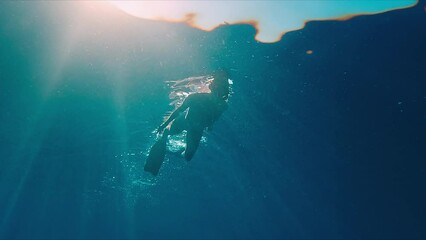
(271, 18)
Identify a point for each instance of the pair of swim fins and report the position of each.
(156, 156)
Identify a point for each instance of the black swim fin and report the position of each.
(156, 156)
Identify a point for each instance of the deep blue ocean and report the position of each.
(324, 145)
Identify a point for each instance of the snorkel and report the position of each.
(220, 84)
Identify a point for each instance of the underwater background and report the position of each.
(330, 144)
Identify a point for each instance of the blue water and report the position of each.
(321, 145)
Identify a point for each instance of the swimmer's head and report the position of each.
(220, 84)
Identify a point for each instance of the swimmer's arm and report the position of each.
(210, 127)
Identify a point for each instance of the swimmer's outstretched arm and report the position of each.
(216, 117)
(210, 126)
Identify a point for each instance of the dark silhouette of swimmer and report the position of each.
(203, 109)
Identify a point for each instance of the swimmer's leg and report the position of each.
(193, 138)
(158, 150)
(156, 156)
(176, 127)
